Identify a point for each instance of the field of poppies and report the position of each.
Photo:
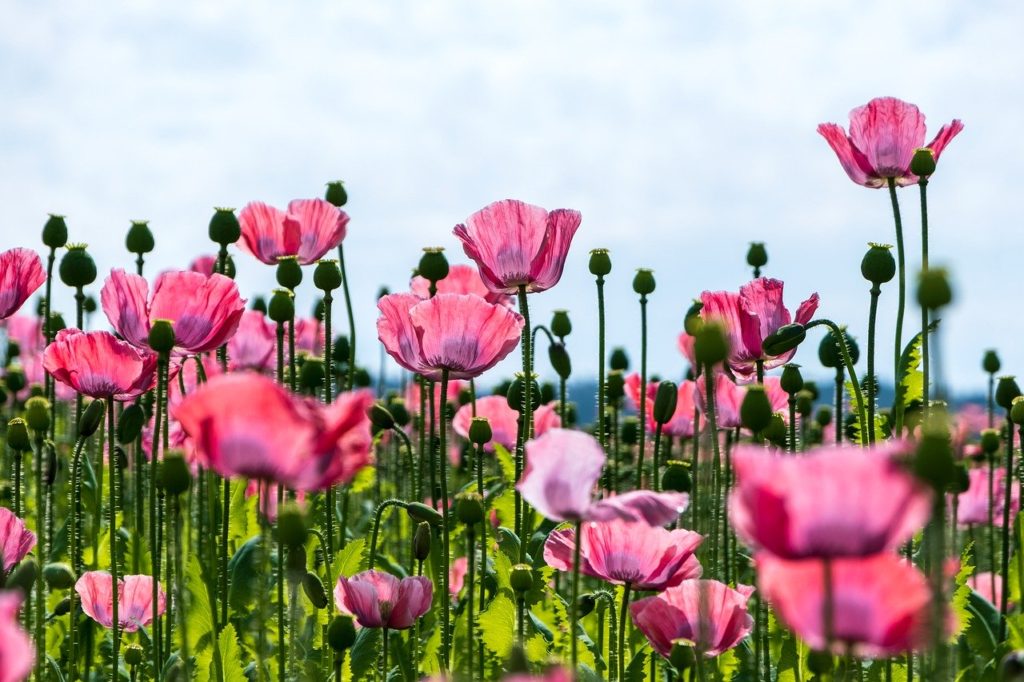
(201, 487)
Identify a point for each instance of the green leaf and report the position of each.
(246, 572)
(910, 386)
(364, 480)
(363, 656)
(506, 462)
(349, 561)
(498, 626)
(962, 592)
(231, 655)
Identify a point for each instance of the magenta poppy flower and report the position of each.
(100, 365)
(204, 265)
(728, 399)
(253, 344)
(461, 279)
(245, 424)
(974, 502)
(749, 318)
(708, 613)
(27, 331)
(833, 502)
(204, 310)
(457, 575)
(461, 333)
(884, 133)
(681, 423)
(380, 600)
(309, 336)
(17, 654)
(622, 552)
(16, 541)
(134, 599)
(504, 420)
(562, 467)
(21, 273)
(515, 244)
(308, 229)
(880, 604)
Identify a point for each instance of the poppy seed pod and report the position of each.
(933, 289)
(335, 193)
(521, 578)
(682, 656)
(934, 462)
(418, 511)
(561, 325)
(600, 262)
(618, 360)
(819, 662)
(784, 339)
(615, 386)
(161, 336)
(823, 417)
(480, 431)
(291, 527)
(89, 304)
(311, 374)
(139, 238)
(433, 264)
(961, 479)
(756, 409)
(643, 282)
(922, 163)
(23, 577)
(282, 306)
(341, 633)
(224, 226)
(878, 266)
(381, 417)
(17, 435)
(37, 413)
(677, 477)
(289, 272)
(629, 434)
(829, 354)
(15, 378)
(804, 402)
(515, 393)
(560, 361)
(259, 304)
(692, 321)
(711, 345)
(55, 232)
(792, 381)
(327, 275)
(1017, 411)
(92, 417)
(469, 508)
(134, 654)
(175, 476)
(757, 255)
(990, 362)
(665, 400)
(314, 589)
(990, 441)
(77, 268)
(1006, 390)
(421, 540)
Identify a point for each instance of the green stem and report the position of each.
(902, 268)
(282, 652)
(838, 418)
(599, 421)
(844, 350)
(871, 380)
(526, 424)
(112, 461)
(292, 377)
(179, 594)
(1005, 572)
(574, 603)
(328, 349)
(643, 399)
(656, 457)
(384, 656)
(793, 446)
(76, 553)
(470, 595)
(351, 318)
(446, 602)
(623, 614)
(377, 515)
(225, 526)
(48, 332)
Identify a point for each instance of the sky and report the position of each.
(681, 130)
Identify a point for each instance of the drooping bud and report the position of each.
(59, 576)
(561, 326)
(23, 577)
(381, 417)
(560, 361)
(878, 266)
(757, 255)
(933, 289)
(140, 238)
(677, 477)
(692, 321)
(314, 589)
(289, 272)
(282, 306)
(1006, 390)
(829, 354)
(92, 417)
(990, 362)
(421, 541)
(55, 232)
(433, 264)
(756, 409)
(666, 398)
(224, 227)
(129, 426)
(335, 193)
(399, 412)
(341, 633)
(784, 339)
(77, 268)
(643, 282)
(327, 275)
(418, 511)
(600, 262)
(161, 336)
(585, 605)
(922, 163)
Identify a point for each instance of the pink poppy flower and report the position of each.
(253, 344)
(562, 467)
(880, 604)
(685, 343)
(204, 265)
(100, 365)
(989, 586)
(974, 503)
(27, 331)
(504, 420)
(728, 399)
(412, 395)
(309, 336)
(681, 423)
(247, 425)
(835, 501)
(16, 541)
(134, 599)
(461, 333)
(308, 229)
(751, 316)
(268, 504)
(884, 133)
(378, 600)
(204, 311)
(17, 653)
(708, 613)
(620, 552)
(515, 244)
(457, 575)
(21, 273)
(461, 279)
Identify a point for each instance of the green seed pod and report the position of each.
(55, 232)
(521, 578)
(465, 397)
(92, 417)
(990, 441)
(480, 431)
(15, 378)
(775, 432)
(23, 577)
(829, 354)
(161, 336)
(1017, 410)
(681, 657)
(421, 541)
(289, 272)
(291, 528)
(665, 401)
(77, 268)
(295, 563)
(615, 384)
(1006, 390)
(57, 323)
(618, 360)
(37, 413)
(282, 306)
(990, 362)
(600, 262)
(259, 303)
(933, 289)
(934, 462)
(561, 325)
(381, 417)
(433, 264)
(17, 435)
(784, 339)
(643, 282)
(819, 662)
(224, 228)
(134, 654)
(629, 434)
(804, 403)
(516, 391)
(341, 633)
(13, 349)
(692, 321)
(175, 476)
(757, 255)
(961, 479)
(36, 391)
(711, 345)
(327, 275)
(59, 576)
(311, 375)
(129, 426)
(922, 163)
(792, 381)
(89, 304)
(399, 412)
(314, 589)
(335, 193)
(878, 266)
(469, 508)
(823, 417)
(585, 605)
(560, 361)
(140, 238)
(418, 511)
(756, 409)
(676, 476)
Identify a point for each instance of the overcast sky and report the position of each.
(681, 131)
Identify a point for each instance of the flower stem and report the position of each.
(643, 398)
(446, 634)
(599, 420)
(282, 652)
(923, 184)
(112, 461)
(838, 418)
(902, 268)
(622, 631)
(871, 380)
(844, 350)
(75, 524)
(470, 594)
(328, 349)
(574, 603)
(377, 515)
(1005, 572)
(527, 414)
(351, 319)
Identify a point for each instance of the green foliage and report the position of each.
(910, 386)
(498, 626)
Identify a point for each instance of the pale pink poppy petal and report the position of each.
(887, 130)
(21, 273)
(562, 467)
(96, 591)
(322, 227)
(851, 159)
(16, 541)
(125, 301)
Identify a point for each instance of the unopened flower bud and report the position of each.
(961, 479)
(63, 607)
(1006, 390)
(399, 412)
(140, 238)
(823, 417)
(757, 255)
(756, 409)
(418, 511)
(600, 262)
(55, 232)
(934, 462)
(990, 441)
(289, 272)
(521, 578)
(224, 227)
(327, 275)
(585, 605)
(990, 362)
(77, 268)
(175, 476)
(469, 508)
(643, 282)
(341, 633)
(615, 386)
(692, 321)
(878, 266)
(618, 360)
(784, 339)
(819, 662)
(829, 354)
(282, 306)
(311, 375)
(335, 193)
(516, 393)
(23, 577)
(922, 163)
(433, 264)
(933, 289)
(804, 402)
(381, 417)
(129, 426)
(1017, 411)
(59, 576)
(259, 304)
(15, 378)
(37, 413)
(666, 398)
(792, 381)
(629, 434)
(560, 361)
(677, 477)
(421, 541)
(161, 336)
(92, 417)
(89, 304)
(314, 589)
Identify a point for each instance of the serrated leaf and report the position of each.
(363, 656)
(231, 655)
(498, 626)
(962, 592)
(349, 560)
(364, 480)
(910, 386)
(506, 462)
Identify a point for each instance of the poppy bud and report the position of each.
(933, 289)
(59, 576)
(961, 479)
(327, 275)
(63, 607)
(260, 304)
(134, 654)
(922, 163)
(175, 476)
(335, 193)
(692, 321)
(615, 386)
(399, 412)
(677, 477)
(933, 462)
(560, 361)
(643, 282)
(711, 345)
(561, 326)
(92, 417)
(756, 409)
(291, 525)
(311, 374)
(990, 362)
(161, 336)
(792, 381)
(878, 266)
(295, 563)
(15, 378)
(823, 417)
(17, 435)
(130, 424)
(469, 508)
(681, 657)
(341, 347)
(1006, 390)
(89, 304)
(480, 431)
(341, 633)
(224, 227)
(600, 262)
(418, 511)
(23, 577)
(421, 540)
(784, 339)
(140, 238)
(804, 402)
(829, 354)
(314, 589)
(1017, 411)
(77, 268)
(757, 255)
(37, 413)
(618, 360)
(990, 441)
(381, 417)
(55, 232)
(433, 264)
(665, 400)
(282, 306)
(361, 378)
(521, 578)
(289, 272)
(630, 431)
(775, 432)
